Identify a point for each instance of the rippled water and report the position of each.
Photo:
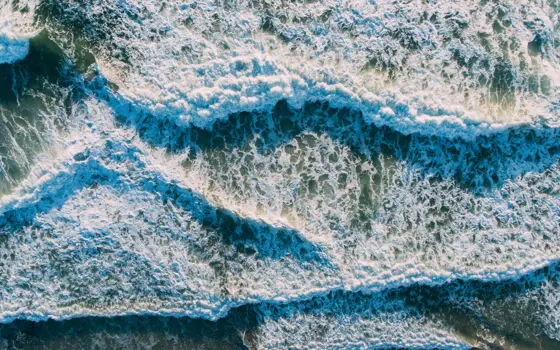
(319, 174)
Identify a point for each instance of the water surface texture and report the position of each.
(349, 174)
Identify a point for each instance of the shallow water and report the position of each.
(279, 175)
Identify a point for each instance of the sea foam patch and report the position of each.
(416, 67)
(137, 237)
(13, 47)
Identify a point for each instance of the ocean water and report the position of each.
(279, 174)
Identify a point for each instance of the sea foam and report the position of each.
(13, 47)
(330, 166)
(417, 68)
(112, 213)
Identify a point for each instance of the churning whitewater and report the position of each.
(279, 174)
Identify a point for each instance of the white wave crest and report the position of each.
(126, 228)
(432, 69)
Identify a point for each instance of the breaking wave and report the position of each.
(302, 175)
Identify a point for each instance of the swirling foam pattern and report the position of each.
(323, 174)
